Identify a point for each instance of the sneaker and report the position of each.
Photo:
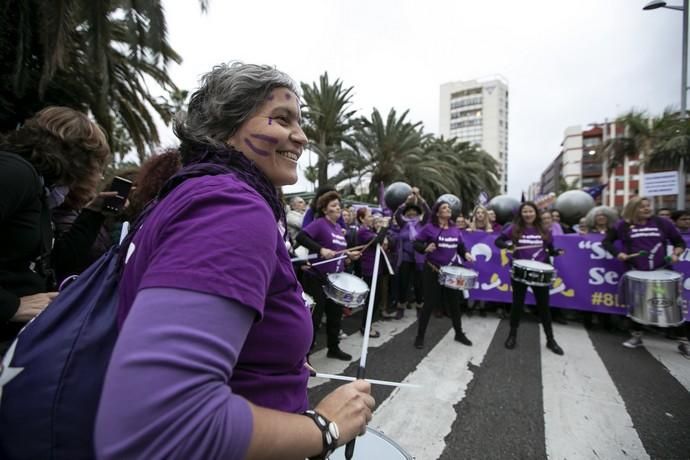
(373, 334)
(389, 315)
(342, 334)
(633, 342)
(462, 338)
(511, 341)
(419, 342)
(337, 353)
(684, 349)
(553, 346)
(400, 313)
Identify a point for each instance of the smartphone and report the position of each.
(122, 186)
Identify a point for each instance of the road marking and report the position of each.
(353, 345)
(584, 415)
(419, 420)
(666, 352)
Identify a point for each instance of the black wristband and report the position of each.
(329, 433)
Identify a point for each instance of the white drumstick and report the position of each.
(304, 259)
(375, 382)
(388, 263)
(328, 260)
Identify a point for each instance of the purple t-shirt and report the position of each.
(447, 241)
(218, 236)
(530, 237)
(329, 236)
(364, 235)
(650, 237)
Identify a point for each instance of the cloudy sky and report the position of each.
(567, 62)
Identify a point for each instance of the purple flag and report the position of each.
(594, 192)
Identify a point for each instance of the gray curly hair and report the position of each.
(228, 95)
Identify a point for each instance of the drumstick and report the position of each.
(353, 248)
(350, 448)
(304, 259)
(388, 263)
(328, 260)
(638, 254)
(534, 246)
(320, 375)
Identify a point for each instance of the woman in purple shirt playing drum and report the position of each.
(326, 237)
(644, 238)
(529, 240)
(442, 243)
(210, 359)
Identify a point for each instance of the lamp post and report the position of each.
(653, 5)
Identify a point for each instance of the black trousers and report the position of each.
(409, 274)
(334, 312)
(541, 294)
(436, 295)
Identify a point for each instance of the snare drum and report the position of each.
(346, 290)
(532, 272)
(653, 297)
(373, 445)
(459, 278)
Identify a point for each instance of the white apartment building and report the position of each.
(571, 166)
(477, 111)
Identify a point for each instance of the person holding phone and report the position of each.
(214, 331)
(56, 153)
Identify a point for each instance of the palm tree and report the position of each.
(383, 150)
(327, 117)
(671, 146)
(462, 169)
(94, 56)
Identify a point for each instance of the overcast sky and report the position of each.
(567, 62)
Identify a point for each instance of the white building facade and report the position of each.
(477, 111)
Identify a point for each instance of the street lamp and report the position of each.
(653, 5)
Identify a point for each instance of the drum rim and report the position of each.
(520, 264)
(468, 271)
(383, 436)
(651, 323)
(633, 274)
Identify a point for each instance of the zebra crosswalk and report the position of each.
(600, 400)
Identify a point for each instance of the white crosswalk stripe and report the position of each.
(584, 415)
(443, 375)
(583, 410)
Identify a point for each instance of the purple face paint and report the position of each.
(288, 96)
(255, 149)
(270, 120)
(263, 137)
(269, 97)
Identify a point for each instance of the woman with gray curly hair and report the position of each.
(211, 357)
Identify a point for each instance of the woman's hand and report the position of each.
(430, 248)
(96, 204)
(468, 257)
(32, 305)
(326, 253)
(674, 258)
(349, 406)
(622, 256)
(354, 255)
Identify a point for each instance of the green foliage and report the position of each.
(94, 56)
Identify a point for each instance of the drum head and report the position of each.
(373, 445)
(533, 265)
(653, 275)
(460, 271)
(347, 282)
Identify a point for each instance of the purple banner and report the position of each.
(586, 275)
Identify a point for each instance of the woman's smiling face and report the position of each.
(273, 138)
